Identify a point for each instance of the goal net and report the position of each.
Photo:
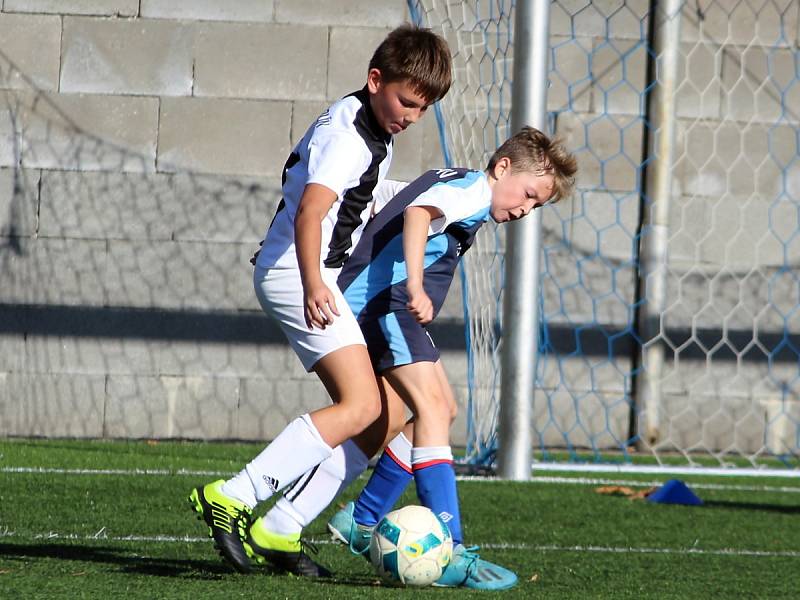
(709, 373)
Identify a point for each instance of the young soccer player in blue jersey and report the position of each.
(395, 282)
(379, 262)
(328, 185)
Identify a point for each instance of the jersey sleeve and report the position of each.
(385, 191)
(453, 202)
(337, 160)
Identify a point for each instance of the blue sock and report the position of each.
(436, 486)
(387, 483)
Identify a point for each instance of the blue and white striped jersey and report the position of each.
(374, 278)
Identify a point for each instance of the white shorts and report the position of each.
(280, 293)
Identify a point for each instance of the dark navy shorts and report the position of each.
(397, 339)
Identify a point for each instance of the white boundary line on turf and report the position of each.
(634, 483)
(60, 471)
(476, 478)
(666, 470)
(101, 535)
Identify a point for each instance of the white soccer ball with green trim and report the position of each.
(411, 546)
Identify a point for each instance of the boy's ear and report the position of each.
(502, 167)
(374, 80)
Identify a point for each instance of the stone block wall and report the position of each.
(141, 146)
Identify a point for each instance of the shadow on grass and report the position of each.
(777, 508)
(128, 562)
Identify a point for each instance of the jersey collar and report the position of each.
(369, 120)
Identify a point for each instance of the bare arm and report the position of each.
(315, 203)
(415, 235)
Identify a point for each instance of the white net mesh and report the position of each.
(727, 385)
(474, 118)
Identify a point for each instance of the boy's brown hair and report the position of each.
(532, 150)
(417, 55)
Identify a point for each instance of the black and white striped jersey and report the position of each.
(347, 151)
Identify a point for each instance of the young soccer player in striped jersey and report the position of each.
(328, 185)
(395, 282)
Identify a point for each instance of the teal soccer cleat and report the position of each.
(467, 569)
(344, 529)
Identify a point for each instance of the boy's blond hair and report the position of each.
(417, 55)
(532, 150)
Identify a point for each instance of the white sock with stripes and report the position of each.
(296, 450)
(304, 500)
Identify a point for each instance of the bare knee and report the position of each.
(436, 407)
(365, 413)
(372, 411)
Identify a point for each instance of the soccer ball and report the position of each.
(411, 545)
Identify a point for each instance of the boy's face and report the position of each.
(396, 105)
(515, 194)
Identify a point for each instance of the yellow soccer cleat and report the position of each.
(285, 553)
(228, 521)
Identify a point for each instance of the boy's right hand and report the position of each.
(420, 305)
(320, 306)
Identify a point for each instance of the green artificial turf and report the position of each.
(71, 531)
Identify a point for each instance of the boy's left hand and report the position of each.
(420, 306)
